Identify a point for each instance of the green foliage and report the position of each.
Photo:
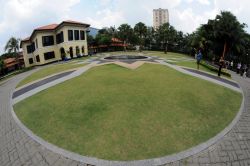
(214, 69)
(211, 38)
(90, 39)
(1, 65)
(225, 31)
(125, 32)
(12, 45)
(140, 31)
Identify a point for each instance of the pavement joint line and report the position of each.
(200, 76)
(156, 161)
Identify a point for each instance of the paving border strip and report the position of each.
(40, 83)
(148, 162)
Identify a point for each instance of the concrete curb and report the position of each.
(147, 162)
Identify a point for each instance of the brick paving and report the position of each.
(17, 148)
(234, 148)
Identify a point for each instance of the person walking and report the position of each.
(238, 68)
(244, 70)
(221, 64)
(232, 65)
(198, 58)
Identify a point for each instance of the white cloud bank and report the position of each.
(19, 17)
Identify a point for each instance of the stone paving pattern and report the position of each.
(234, 148)
(40, 83)
(213, 77)
(16, 148)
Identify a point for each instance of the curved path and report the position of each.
(17, 148)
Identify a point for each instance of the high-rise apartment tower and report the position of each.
(160, 16)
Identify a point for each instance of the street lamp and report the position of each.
(166, 47)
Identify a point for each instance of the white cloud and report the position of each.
(106, 18)
(204, 2)
(18, 13)
(238, 8)
(19, 17)
(188, 21)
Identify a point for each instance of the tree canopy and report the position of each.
(224, 36)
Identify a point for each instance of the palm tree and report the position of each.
(167, 34)
(140, 30)
(229, 31)
(150, 37)
(12, 46)
(125, 33)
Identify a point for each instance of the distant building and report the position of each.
(116, 45)
(11, 64)
(55, 42)
(160, 17)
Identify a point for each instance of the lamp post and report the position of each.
(166, 47)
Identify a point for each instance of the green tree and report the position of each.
(140, 31)
(1, 66)
(223, 36)
(104, 37)
(228, 30)
(150, 37)
(12, 45)
(167, 36)
(125, 33)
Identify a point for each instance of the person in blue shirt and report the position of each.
(198, 58)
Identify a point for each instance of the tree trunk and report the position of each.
(224, 51)
(221, 61)
(166, 49)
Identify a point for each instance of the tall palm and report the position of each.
(12, 46)
(167, 34)
(125, 33)
(140, 30)
(228, 30)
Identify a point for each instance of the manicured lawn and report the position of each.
(49, 70)
(115, 113)
(168, 55)
(177, 57)
(193, 65)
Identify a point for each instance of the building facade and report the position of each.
(55, 42)
(160, 17)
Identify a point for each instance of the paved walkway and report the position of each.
(234, 148)
(17, 148)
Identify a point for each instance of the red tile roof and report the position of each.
(48, 27)
(9, 60)
(116, 40)
(74, 22)
(53, 27)
(26, 39)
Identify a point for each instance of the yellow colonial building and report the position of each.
(55, 42)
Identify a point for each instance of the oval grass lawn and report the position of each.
(115, 113)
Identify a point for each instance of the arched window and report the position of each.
(63, 54)
(71, 52)
(77, 51)
(83, 50)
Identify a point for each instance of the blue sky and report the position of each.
(19, 17)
